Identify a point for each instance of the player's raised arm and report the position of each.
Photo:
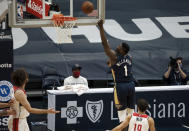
(109, 52)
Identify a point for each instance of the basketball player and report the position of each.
(121, 63)
(138, 121)
(21, 105)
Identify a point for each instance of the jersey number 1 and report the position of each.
(125, 67)
(138, 127)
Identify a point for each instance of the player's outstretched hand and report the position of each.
(100, 23)
(52, 111)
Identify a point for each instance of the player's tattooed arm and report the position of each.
(3, 113)
(7, 112)
(3, 105)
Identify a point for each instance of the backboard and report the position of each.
(3, 9)
(38, 13)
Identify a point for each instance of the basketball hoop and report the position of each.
(63, 27)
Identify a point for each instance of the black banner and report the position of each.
(6, 54)
(6, 62)
(97, 111)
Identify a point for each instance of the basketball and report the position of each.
(87, 7)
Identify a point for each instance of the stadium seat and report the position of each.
(50, 79)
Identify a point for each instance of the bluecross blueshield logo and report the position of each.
(6, 91)
(94, 110)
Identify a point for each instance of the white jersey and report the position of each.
(21, 112)
(18, 122)
(74, 81)
(139, 122)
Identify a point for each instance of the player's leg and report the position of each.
(118, 105)
(131, 99)
(122, 96)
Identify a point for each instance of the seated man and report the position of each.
(76, 78)
(175, 75)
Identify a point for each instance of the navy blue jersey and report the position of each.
(123, 69)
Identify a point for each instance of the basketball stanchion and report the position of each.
(63, 27)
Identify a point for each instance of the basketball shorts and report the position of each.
(124, 95)
(18, 124)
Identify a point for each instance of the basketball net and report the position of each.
(64, 26)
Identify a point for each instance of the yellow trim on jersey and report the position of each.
(115, 91)
(113, 74)
(115, 96)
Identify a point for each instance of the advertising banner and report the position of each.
(35, 7)
(6, 63)
(6, 54)
(95, 109)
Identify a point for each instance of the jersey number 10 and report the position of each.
(138, 127)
